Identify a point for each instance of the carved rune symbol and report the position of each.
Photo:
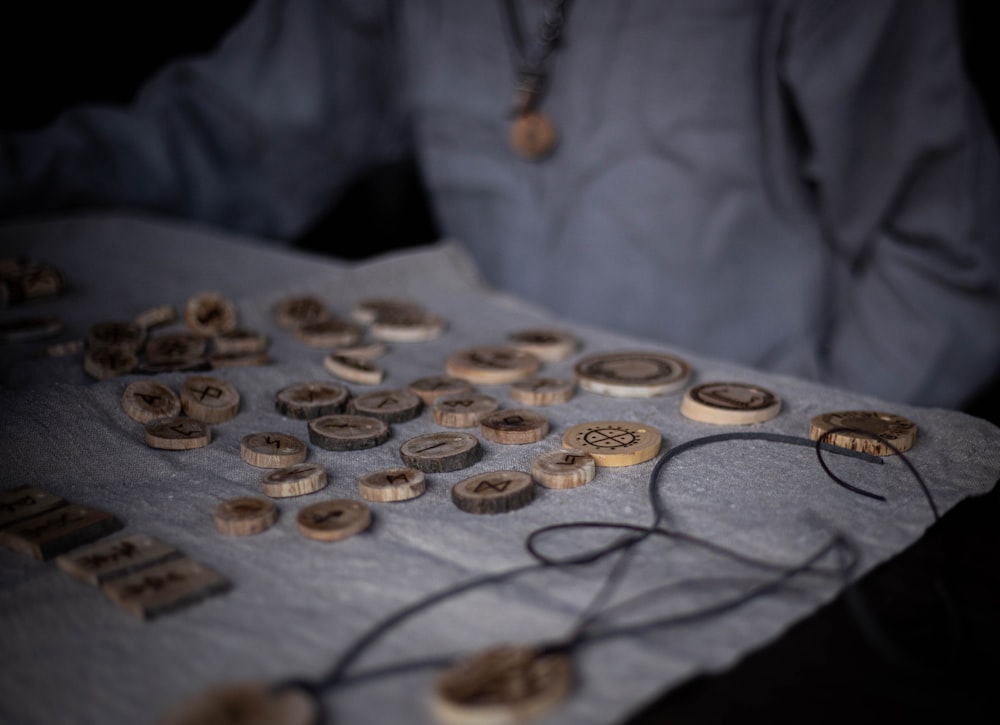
(513, 420)
(499, 486)
(23, 501)
(456, 403)
(391, 479)
(387, 401)
(610, 438)
(430, 448)
(568, 460)
(149, 399)
(320, 519)
(276, 442)
(209, 391)
(183, 430)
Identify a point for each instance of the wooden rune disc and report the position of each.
(334, 520)
(306, 401)
(297, 480)
(730, 404)
(293, 312)
(354, 369)
(463, 410)
(347, 432)
(614, 443)
(147, 400)
(245, 704)
(542, 391)
(867, 431)
(548, 345)
(441, 452)
(632, 374)
(390, 406)
(177, 434)
(102, 363)
(392, 484)
(515, 426)
(502, 684)
(119, 335)
(245, 516)
(209, 399)
(240, 342)
(272, 450)
(563, 469)
(174, 347)
(533, 135)
(156, 316)
(408, 326)
(368, 310)
(329, 333)
(209, 314)
(495, 492)
(432, 387)
(492, 364)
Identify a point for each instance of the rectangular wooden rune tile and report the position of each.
(24, 502)
(59, 530)
(164, 587)
(112, 558)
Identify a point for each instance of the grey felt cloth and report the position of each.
(71, 656)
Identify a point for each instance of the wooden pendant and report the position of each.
(533, 135)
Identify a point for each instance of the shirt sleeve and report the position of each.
(903, 171)
(258, 136)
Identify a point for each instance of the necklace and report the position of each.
(533, 135)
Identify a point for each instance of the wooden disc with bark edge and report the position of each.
(245, 516)
(563, 469)
(109, 362)
(245, 704)
(492, 364)
(494, 492)
(516, 426)
(464, 410)
(548, 345)
(355, 370)
(730, 404)
(390, 406)
(272, 450)
(502, 684)
(329, 333)
(542, 391)
(293, 312)
(632, 374)
(209, 314)
(871, 426)
(347, 432)
(614, 443)
(297, 480)
(306, 401)
(174, 347)
(432, 387)
(147, 400)
(441, 452)
(209, 399)
(533, 135)
(334, 520)
(120, 335)
(177, 434)
(392, 484)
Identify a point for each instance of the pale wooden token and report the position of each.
(329, 333)
(348, 432)
(209, 314)
(147, 400)
(391, 406)
(614, 443)
(563, 469)
(392, 484)
(409, 326)
(177, 434)
(464, 410)
(355, 370)
(272, 450)
(209, 399)
(26, 329)
(174, 347)
(441, 452)
(866, 431)
(533, 135)
(729, 404)
(632, 374)
(156, 316)
(494, 492)
(107, 560)
(245, 516)
(293, 312)
(492, 364)
(514, 427)
(369, 310)
(58, 530)
(363, 351)
(103, 363)
(297, 480)
(545, 344)
(165, 587)
(239, 360)
(432, 387)
(119, 335)
(334, 520)
(542, 391)
(240, 342)
(245, 704)
(502, 684)
(23, 502)
(306, 401)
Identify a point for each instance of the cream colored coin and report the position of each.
(502, 684)
(156, 316)
(514, 427)
(209, 314)
(729, 404)
(369, 310)
(409, 326)
(866, 431)
(432, 387)
(109, 362)
(563, 469)
(355, 370)
(297, 480)
(210, 399)
(632, 374)
(272, 450)
(392, 484)
(542, 391)
(347, 432)
(174, 347)
(391, 406)
(441, 452)
(533, 135)
(492, 364)
(614, 443)
(548, 345)
(177, 434)
(311, 400)
(363, 351)
(464, 410)
(245, 516)
(240, 342)
(329, 333)
(334, 520)
(293, 312)
(495, 492)
(119, 335)
(245, 704)
(147, 400)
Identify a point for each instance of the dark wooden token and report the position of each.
(174, 348)
(245, 516)
(209, 314)
(59, 530)
(348, 432)
(441, 452)
(296, 480)
(514, 427)
(147, 400)
(272, 450)
(294, 312)
(103, 363)
(209, 399)
(107, 560)
(306, 401)
(432, 387)
(119, 335)
(390, 406)
(495, 492)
